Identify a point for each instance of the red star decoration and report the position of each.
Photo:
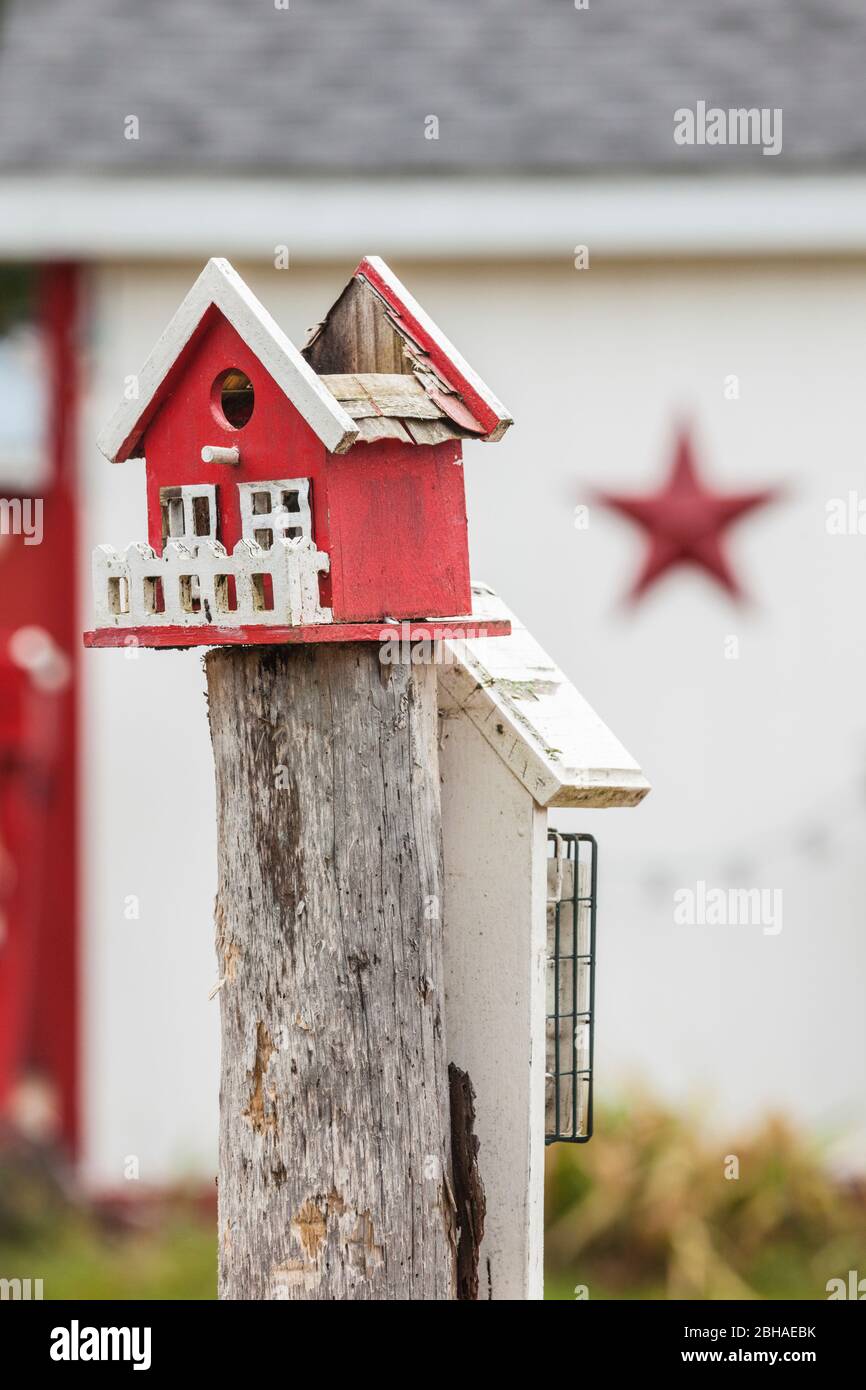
(685, 522)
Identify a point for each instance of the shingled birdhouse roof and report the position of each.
(377, 367)
(377, 339)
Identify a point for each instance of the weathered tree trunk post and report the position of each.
(334, 1126)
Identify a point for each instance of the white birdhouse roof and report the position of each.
(328, 383)
(220, 286)
(535, 719)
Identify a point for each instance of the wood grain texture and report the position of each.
(356, 336)
(427, 342)
(334, 1125)
(364, 393)
(397, 517)
(374, 430)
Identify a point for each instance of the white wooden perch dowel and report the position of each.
(212, 453)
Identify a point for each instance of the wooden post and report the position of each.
(334, 1127)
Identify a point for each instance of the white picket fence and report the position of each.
(200, 583)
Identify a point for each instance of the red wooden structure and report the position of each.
(39, 826)
(350, 452)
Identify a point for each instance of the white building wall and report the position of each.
(750, 759)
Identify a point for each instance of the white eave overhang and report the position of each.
(534, 718)
(50, 215)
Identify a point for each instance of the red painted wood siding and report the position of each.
(276, 442)
(261, 635)
(398, 522)
(391, 517)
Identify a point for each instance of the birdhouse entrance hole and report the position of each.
(233, 398)
(571, 911)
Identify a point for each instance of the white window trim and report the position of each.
(187, 494)
(278, 520)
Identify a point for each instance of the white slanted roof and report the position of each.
(220, 285)
(531, 714)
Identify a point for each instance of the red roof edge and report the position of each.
(491, 415)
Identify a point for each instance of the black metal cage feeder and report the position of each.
(572, 871)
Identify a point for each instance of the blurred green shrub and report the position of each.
(645, 1211)
(642, 1211)
(152, 1246)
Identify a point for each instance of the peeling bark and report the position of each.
(468, 1187)
(334, 1117)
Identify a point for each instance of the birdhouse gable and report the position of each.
(219, 289)
(376, 334)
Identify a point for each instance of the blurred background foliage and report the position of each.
(148, 1246)
(17, 290)
(644, 1211)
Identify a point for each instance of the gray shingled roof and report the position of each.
(331, 85)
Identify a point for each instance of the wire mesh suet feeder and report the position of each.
(571, 911)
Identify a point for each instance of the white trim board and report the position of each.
(92, 217)
(220, 285)
(535, 719)
(494, 839)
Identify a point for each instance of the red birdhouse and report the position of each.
(295, 495)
